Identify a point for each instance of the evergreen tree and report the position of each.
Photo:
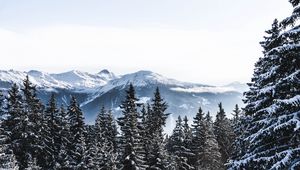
(77, 132)
(33, 115)
(7, 157)
(271, 140)
(145, 135)
(15, 123)
(130, 136)
(105, 140)
(51, 133)
(198, 136)
(176, 146)
(91, 150)
(64, 156)
(236, 114)
(210, 156)
(187, 142)
(224, 134)
(155, 121)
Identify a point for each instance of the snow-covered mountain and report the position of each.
(105, 88)
(74, 79)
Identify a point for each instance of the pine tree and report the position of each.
(187, 141)
(15, 123)
(77, 132)
(7, 157)
(105, 140)
(224, 134)
(236, 114)
(176, 146)
(154, 123)
(210, 156)
(271, 140)
(91, 150)
(64, 157)
(198, 136)
(51, 132)
(33, 115)
(145, 135)
(130, 136)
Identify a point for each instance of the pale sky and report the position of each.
(202, 41)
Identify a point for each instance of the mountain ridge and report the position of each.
(107, 89)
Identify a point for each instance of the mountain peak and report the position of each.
(104, 71)
(106, 75)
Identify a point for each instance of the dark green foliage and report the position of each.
(154, 121)
(130, 142)
(51, 133)
(176, 146)
(224, 134)
(273, 103)
(77, 135)
(210, 156)
(105, 140)
(198, 136)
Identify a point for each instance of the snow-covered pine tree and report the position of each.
(145, 135)
(210, 156)
(224, 134)
(197, 136)
(7, 157)
(112, 131)
(130, 141)
(77, 132)
(187, 141)
(33, 136)
(15, 124)
(51, 133)
(64, 156)
(156, 120)
(236, 114)
(105, 140)
(99, 140)
(177, 148)
(91, 150)
(254, 95)
(273, 103)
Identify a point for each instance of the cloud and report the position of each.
(204, 89)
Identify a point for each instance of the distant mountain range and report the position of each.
(106, 88)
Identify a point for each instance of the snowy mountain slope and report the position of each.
(74, 79)
(104, 88)
(182, 97)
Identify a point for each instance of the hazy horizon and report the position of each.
(194, 41)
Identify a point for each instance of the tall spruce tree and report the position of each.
(7, 157)
(33, 111)
(145, 135)
(198, 133)
(130, 141)
(224, 134)
(272, 138)
(16, 124)
(176, 146)
(210, 156)
(187, 141)
(51, 133)
(91, 150)
(236, 114)
(156, 120)
(64, 157)
(77, 135)
(105, 140)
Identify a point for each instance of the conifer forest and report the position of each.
(261, 135)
